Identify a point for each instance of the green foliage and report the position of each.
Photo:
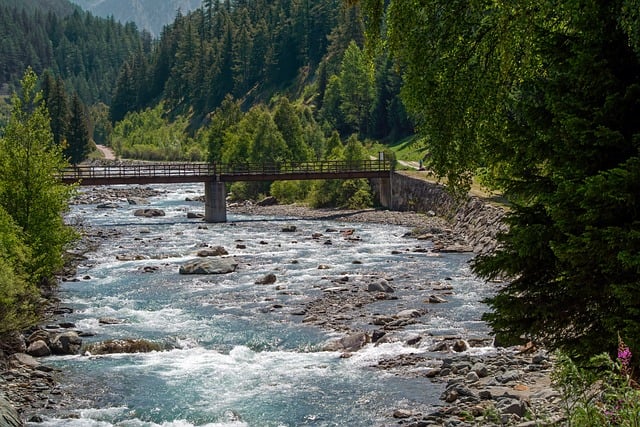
(29, 188)
(18, 296)
(102, 127)
(288, 192)
(350, 193)
(148, 135)
(224, 117)
(78, 144)
(86, 52)
(596, 394)
(356, 88)
(256, 51)
(544, 96)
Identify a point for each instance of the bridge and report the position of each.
(215, 175)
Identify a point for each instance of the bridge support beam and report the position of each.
(215, 202)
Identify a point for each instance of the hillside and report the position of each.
(84, 50)
(59, 7)
(150, 15)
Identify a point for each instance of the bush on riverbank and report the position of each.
(602, 393)
(17, 295)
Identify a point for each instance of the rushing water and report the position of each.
(240, 356)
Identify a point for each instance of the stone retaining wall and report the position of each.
(473, 219)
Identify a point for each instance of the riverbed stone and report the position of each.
(209, 266)
(129, 345)
(66, 343)
(380, 286)
(38, 348)
(509, 376)
(352, 342)
(409, 313)
(9, 417)
(22, 359)
(108, 205)
(148, 213)
(267, 279)
(133, 200)
(213, 251)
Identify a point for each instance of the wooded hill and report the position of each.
(255, 49)
(249, 49)
(85, 51)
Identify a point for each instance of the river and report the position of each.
(242, 354)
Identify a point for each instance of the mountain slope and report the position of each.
(59, 7)
(151, 15)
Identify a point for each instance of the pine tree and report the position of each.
(78, 139)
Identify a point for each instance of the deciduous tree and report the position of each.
(30, 190)
(545, 97)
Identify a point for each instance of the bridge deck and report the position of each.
(174, 172)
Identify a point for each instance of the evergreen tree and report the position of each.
(57, 105)
(291, 130)
(78, 139)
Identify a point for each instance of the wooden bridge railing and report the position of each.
(193, 172)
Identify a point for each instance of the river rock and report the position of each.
(209, 266)
(289, 229)
(130, 257)
(123, 346)
(509, 376)
(350, 343)
(268, 279)
(132, 200)
(407, 314)
(38, 348)
(108, 205)
(268, 201)
(148, 213)
(66, 343)
(194, 215)
(109, 321)
(214, 251)
(436, 299)
(22, 359)
(8, 415)
(380, 286)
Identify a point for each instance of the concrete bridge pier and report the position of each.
(385, 193)
(215, 202)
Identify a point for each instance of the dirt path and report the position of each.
(107, 152)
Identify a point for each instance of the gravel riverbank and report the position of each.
(499, 386)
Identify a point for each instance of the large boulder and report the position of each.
(66, 343)
(209, 266)
(124, 346)
(38, 348)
